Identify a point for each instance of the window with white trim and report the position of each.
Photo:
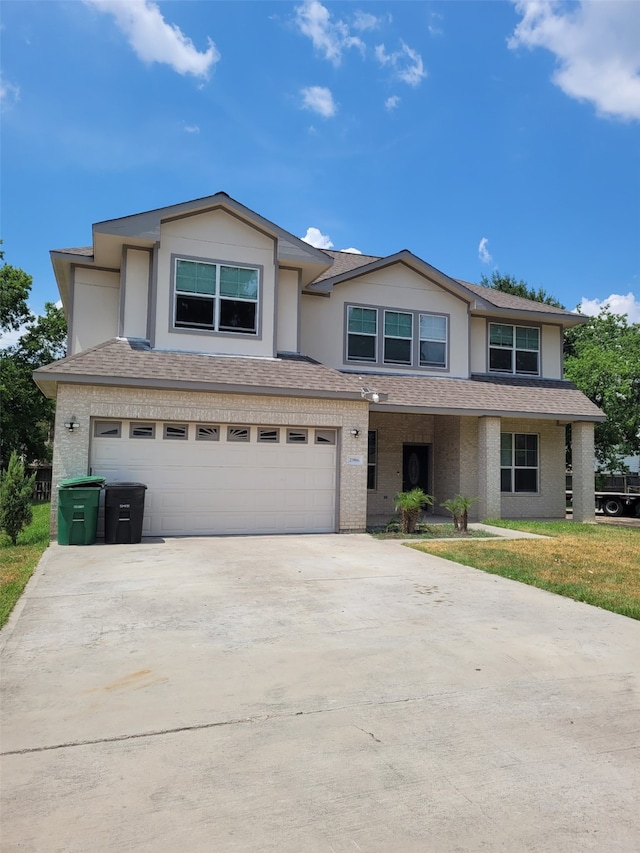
(215, 297)
(514, 349)
(519, 462)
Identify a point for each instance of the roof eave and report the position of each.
(48, 381)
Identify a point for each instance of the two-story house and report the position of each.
(258, 385)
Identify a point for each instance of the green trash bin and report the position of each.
(78, 502)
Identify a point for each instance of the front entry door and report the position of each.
(415, 467)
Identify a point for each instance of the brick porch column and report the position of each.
(582, 461)
(489, 505)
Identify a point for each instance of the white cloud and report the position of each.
(596, 47)
(365, 21)
(392, 102)
(191, 128)
(154, 40)
(319, 99)
(406, 63)
(329, 37)
(617, 304)
(483, 252)
(315, 237)
(434, 24)
(9, 94)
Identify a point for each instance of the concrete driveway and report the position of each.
(312, 693)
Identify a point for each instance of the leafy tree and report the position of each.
(15, 286)
(16, 489)
(510, 284)
(602, 358)
(26, 416)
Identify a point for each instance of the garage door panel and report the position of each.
(203, 487)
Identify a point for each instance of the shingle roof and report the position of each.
(344, 262)
(85, 251)
(507, 300)
(123, 362)
(485, 395)
(133, 363)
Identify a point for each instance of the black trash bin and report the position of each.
(123, 513)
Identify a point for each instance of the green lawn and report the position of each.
(594, 563)
(17, 563)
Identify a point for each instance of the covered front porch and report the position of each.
(513, 467)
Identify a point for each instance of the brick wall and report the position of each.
(83, 402)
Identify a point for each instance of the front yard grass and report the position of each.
(17, 563)
(593, 563)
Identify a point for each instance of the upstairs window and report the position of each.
(398, 337)
(216, 297)
(409, 338)
(433, 340)
(362, 334)
(514, 349)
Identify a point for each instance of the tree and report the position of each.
(15, 286)
(602, 358)
(26, 415)
(16, 489)
(510, 284)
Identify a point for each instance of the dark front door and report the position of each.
(415, 467)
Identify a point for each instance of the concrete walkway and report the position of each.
(311, 693)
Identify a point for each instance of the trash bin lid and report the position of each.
(82, 482)
(125, 486)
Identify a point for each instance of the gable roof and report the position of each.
(483, 300)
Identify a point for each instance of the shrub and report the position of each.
(411, 505)
(459, 507)
(16, 489)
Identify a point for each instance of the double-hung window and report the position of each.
(398, 337)
(433, 340)
(514, 349)
(362, 334)
(216, 297)
(385, 336)
(518, 462)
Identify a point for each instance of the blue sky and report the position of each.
(479, 135)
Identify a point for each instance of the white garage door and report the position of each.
(222, 478)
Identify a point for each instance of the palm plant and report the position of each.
(410, 504)
(459, 507)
